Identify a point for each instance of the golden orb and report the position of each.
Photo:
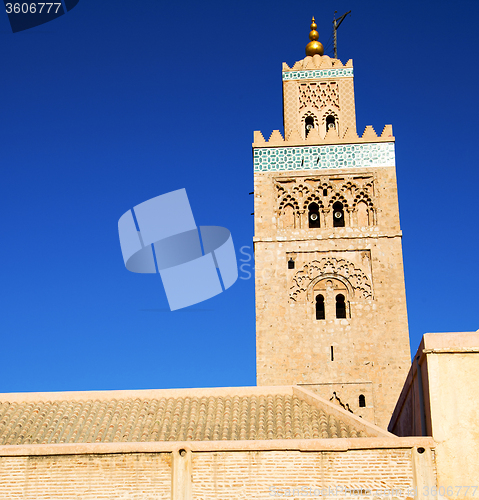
(314, 47)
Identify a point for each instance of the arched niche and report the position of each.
(362, 214)
(287, 216)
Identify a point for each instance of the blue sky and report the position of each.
(117, 102)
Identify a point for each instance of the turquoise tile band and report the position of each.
(317, 73)
(320, 157)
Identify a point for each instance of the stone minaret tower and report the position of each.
(330, 298)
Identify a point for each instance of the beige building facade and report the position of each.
(440, 399)
(330, 295)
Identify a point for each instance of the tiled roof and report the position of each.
(173, 415)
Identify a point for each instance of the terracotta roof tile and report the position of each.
(190, 416)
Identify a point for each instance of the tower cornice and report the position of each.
(350, 137)
(358, 234)
(317, 62)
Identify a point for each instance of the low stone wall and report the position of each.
(341, 468)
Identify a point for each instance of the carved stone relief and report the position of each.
(356, 281)
(356, 193)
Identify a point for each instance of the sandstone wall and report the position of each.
(366, 353)
(86, 477)
(220, 474)
(263, 475)
(445, 407)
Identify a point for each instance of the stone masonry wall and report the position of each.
(264, 475)
(341, 469)
(371, 345)
(343, 106)
(86, 477)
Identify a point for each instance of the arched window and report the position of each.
(308, 125)
(340, 306)
(313, 215)
(362, 401)
(338, 214)
(330, 122)
(291, 263)
(320, 307)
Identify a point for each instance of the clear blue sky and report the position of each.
(117, 102)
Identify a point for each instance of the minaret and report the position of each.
(330, 297)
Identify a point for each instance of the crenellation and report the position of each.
(331, 135)
(387, 131)
(369, 133)
(294, 137)
(276, 139)
(258, 138)
(317, 62)
(350, 136)
(312, 138)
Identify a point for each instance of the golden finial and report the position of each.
(314, 47)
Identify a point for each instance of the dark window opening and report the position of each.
(330, 122)
(313, 215)
(340, 306)
(362, 401)
(308, 125)
(332, 353)
(290, 263)
(325, 192)
(338, 214)
(320, 307)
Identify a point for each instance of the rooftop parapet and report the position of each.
(314, 138)
(317, 62)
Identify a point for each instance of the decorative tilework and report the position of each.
(317, 73)
(321, 157)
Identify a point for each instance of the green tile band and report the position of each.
(317, 73)
(320, 157)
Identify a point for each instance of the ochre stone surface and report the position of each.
(86, 477)
(267, 474)
(219, 475)
(318, 98)
(366, 353)
(444, 406)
